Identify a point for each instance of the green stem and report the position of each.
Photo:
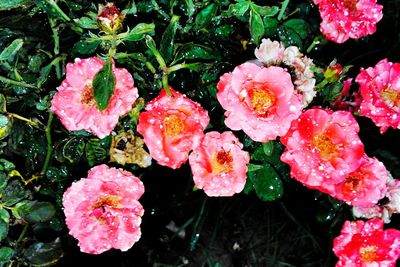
(181, 66)
(17, 83)
(56, 39)
(49, 144)
(57, 9)
(30, 122)
(283, 9)
(21, 236)
(150, 67)
(165, 84)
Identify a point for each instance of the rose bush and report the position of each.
(252, 133)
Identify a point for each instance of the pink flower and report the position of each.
(219, 164)
(323, 148)
(366, 244)
(172, 126)
(344, 19)
(102, 211)
(270, 52)
(347, 100)
(260, 101)
(380, 92)
(365, 186)
(74, 103)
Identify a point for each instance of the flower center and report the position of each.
(350, 4)
(222, 162)
(324, 145)
(391, 97)
(368, 254)
(351, 184)
(87, 97)
(109, 200)
(261, 99)
(173, 126)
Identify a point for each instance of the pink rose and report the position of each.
(362, 244)
(380, 92)
(219, 165)
(102, 211)
(365, 186)
(323, 148)
(74, 102)
(172, 126)
(354, 19)
(259, 100)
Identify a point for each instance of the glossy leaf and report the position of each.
(34, 212)
(139, 31)
(266, 183)
(41, 254)
(6, 254)
(3, 103)
(9, 4)
(266, 11)
(205, 16)
(4, 223)
(13, 193)
(86, 23)
(256, 27)
(192, 51)
(103, 86)
(85, 47)
(168, 39)
(9, 52)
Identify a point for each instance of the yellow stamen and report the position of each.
(173, 126)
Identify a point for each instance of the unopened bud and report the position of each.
(110, 18)
(332, 73)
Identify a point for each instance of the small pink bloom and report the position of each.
(323, 148)
(270, 52)
(365, 186)
(366, 244)
(102, 211)
(172, 126)
(380, 92)
(74, 102)
(219, 164)
(260, 101)
(344, 19)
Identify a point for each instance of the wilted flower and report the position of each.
(275, 53)
(344, 19)
(172, 126)
(362, 244)
(102, 211)
(126, 148)
(74, 102)
(380, 92)
(365, 186)
(258, 100)
(219, 164)
(323, 148)
(110, 18)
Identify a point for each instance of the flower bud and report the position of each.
(110, 18)
(333, 73)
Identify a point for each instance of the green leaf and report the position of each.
(7, 165)
(270, 26)
(4, 223)
(43, 254)
(13, 193)
(5, 126)
(70, 149)
(3, 103)
(6, 254)
(3, 181)
(85, 47)
(266, 11)
(95, 152)
(130, 9)
(205, 16)
(9, 52)
(35, 212)
(299, 26)
(168, 39)
(268, 148)
(51, 7)
(9, 4)
(103, 86)
(139, 31)
(238, 9)
(192, 51)
(86, 23)
(266, 182)
(189, 7)
(256, 27)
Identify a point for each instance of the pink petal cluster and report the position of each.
(380, 92)
(365, 186)
(261, 101)
(274, 53)
(364, 244)
(219, 165)
(344, 19)
(102, 211)
(323, 148)
(387, 209)
(74, 102)
(172, 126)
